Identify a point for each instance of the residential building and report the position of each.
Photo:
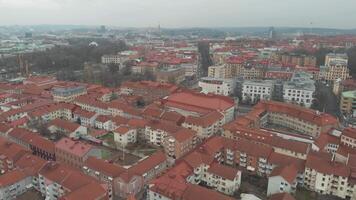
(68, 93)
(221, 71)
(125, 135)
(206, 125)
(348, 103)
(74, 153)
(300, 89)
(217, 86)
(13, 184)
(282, 180)
(70, 129)
(189, 103)
(256, 90)
(170, 75)
(179, 143)
(336, 67)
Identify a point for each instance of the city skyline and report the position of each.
(180, 14)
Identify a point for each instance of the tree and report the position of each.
(205, 59)
(352, 61)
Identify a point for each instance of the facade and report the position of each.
(125, 135)
(336, 67)
(282, 180)
(255, 90)
(217, 86)
(171, 75)
(68, 94)
(13, 184)
(205, 126)
(179, 143)
(222, 72)
(327, 177)
(348, 103)
(300, 90)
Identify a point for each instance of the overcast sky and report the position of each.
(181, 13)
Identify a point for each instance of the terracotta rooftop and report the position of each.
(64, 124)
(223, 171)
(104, 167)
(288, 173)
(281, 196)
(76, 148)
(11, 178)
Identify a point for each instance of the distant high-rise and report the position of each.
(102, 29)
(272, 33)
(28, 34)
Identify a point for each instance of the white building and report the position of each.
(125, 135)
(224, 179)
(217, 86)
(282, 180)
(300, 89)
(255, 90)
(220, 71)
(13, 184)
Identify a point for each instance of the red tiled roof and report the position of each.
(194, 192)
(74, 147)
(206, 120)
(289, 173)
(321, 162)
(103, 166)
(173, 116)
(198, 100)
(137, 123)
(321, 119)
(183, 135)
(283, 160)
(149, 163)
(223, 171)
(31, 164)
(11, 178)
(64, 124)
(91, 191)
(122, 130)
(349, 132)
(164, 126)
(281, 196)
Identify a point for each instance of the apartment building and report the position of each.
(59, 181)
(282, 180)
(125, 135)
(255, 90)
(300, 119)
(68, 93)
(104, 172)
(205, 126)
(13, 184)
(157, 131)
(325, 176)
(300, 89)
(170, 75)
(348, 137)
(197, 104)
(348, 103)
(336, 67)
(179, 143)
(217, 86)
(221, 71)
(68, 128)
(74, 153)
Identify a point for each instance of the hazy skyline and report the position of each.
(181, 13)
